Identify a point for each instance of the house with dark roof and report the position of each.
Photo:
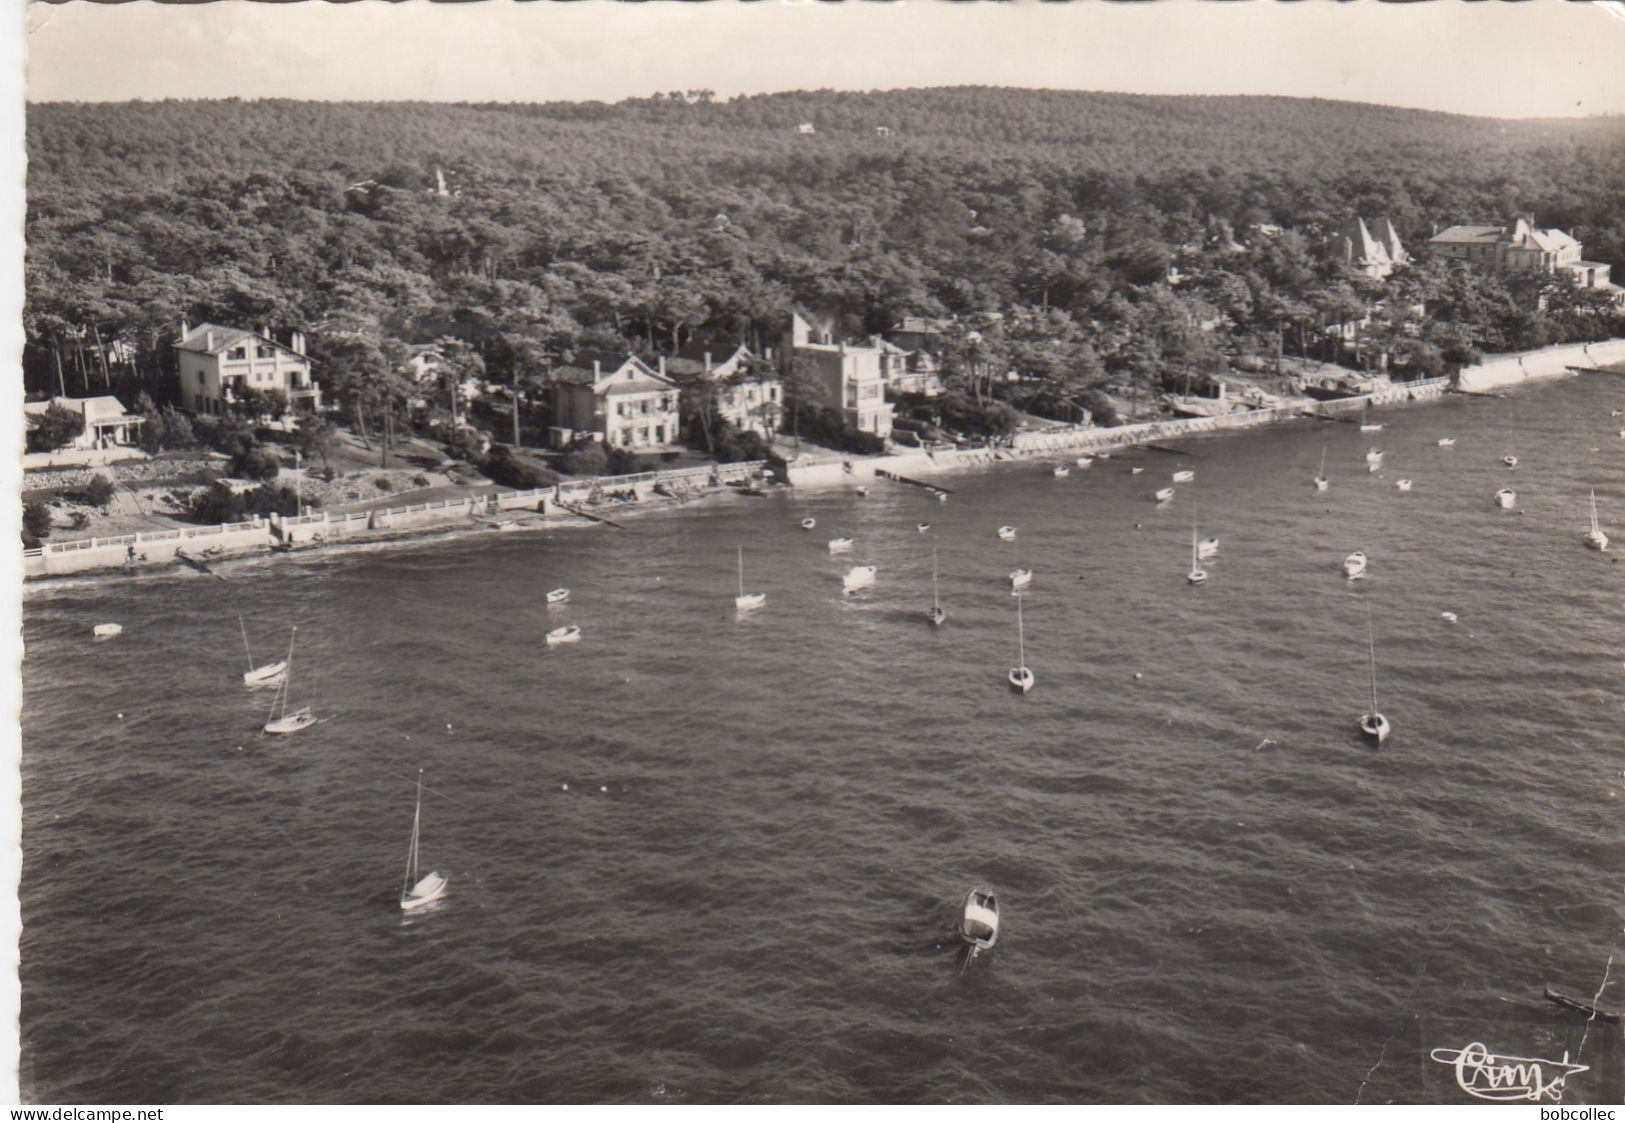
(616, 398)
(748, 391)
(1521, 248)
(1374, 250)
(218, 363)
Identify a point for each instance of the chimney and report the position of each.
(708, 362)
(596, 372)
(297, 341)
(662, 366)
(208, 341)
(265, 332)
(184, 330)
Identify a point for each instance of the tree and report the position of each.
(56, 427)
(36, 523)
(255, 462)
(316, 438)
(99, 490)
(217, 503)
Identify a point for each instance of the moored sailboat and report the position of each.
(936, 613)
(839, 545)
(1354, 566)
(1164, 494)
(415, 891)
(1595, 538)
(747, 600)
(259, 676)
(1506, 498)
(979, 920)
(281, 719)
(1197, 575)
(1373, 724)
(859, 577)
(1321, 482)
(1020, 677)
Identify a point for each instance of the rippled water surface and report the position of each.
(1212, 890)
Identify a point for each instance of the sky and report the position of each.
(1538, 58)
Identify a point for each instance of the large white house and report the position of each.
(217, 363)
(1521, 248)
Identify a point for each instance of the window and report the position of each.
(265, 351)
(200, 378)
(237, 353)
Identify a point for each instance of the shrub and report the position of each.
(588, 459)
(54, 428)
(255, 462)
(99, 491)
(622, 462)
(382, 484)
(465, 444)
(279, 499)
(503, 467)
(36, 523)
(420, 480)
(78, 520)
(217, 503)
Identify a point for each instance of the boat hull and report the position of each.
(1375, 728)
(292, 723)
(1596, 540)
(266, 675)
(1021, 679)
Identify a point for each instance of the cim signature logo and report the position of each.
(1490, 1076)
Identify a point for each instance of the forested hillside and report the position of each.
(644, 223)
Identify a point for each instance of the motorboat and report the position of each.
(1403, 485)
(1373, 459)
(1020, 578)
(1184, 476)
(1506, 498)
(1007, 533)
(1595, 538)
(979, 920)
(1354, 565)
(1061, 471)
(1447, 442)
(1164, 494)
(1207, 547)
(808, 523)
(839, 545)
(106, 631)
(861, 490)
(1135, 471)
(570, 633)
(416, 892)
(1510, 461)
(858, 577)
(557, 596)
(1448, 617)
(922, 527)
(1085, 461)
(744, 600)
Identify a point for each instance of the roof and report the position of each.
(719, 352)
(102, 408)
(923, 325)
(225, 339)
(1520, 236)
(579, 372)
(1472, 235)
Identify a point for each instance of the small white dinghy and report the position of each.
(1403, 485)
(1595, 538)
(1447, 442)
(1007, 533)
(1061, 471)
(808, 523)
(1373, 459)
(419, 891)
(1085, 461)
(979, 921)
(570, 633)
(1354, 566)
(746, 601)
(1164, 494)
(859, 577)
(106, 631)
(1510, 461)
(1135, 471)
(1020, 578)
(558, 596)
(1207, 547)
(923, 527)
(862, 491)
(281, 719)
(839, 545)
(1506, 498)
(1184, 476)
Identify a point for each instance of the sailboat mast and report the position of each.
(935, 603)
(741, 571)
(250, 654)
(1594, 526)
(1371, 638)
(412, 847)
(1021, 636)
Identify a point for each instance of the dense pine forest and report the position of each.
(523, 232)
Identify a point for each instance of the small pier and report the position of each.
(589, 515)
(887, 473)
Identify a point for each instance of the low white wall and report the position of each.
(1549, 362)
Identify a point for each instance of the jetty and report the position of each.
(888, 474)
(589, 515)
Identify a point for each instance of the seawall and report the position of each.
(1549, 362)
